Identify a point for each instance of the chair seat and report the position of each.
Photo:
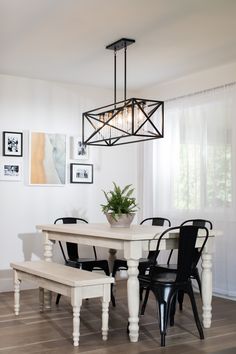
(87, 263)
(167, 278)
(162, 268)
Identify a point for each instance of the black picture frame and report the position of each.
(81, 173)
(12, 144)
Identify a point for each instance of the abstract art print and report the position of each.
(81, 173)
(12, 144)
(10, 169)
(47, 159)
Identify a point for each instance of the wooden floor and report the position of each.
(51, 332)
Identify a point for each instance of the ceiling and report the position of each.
(64, 40)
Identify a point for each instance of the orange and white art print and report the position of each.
(47, 159)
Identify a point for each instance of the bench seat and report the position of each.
(75, 283)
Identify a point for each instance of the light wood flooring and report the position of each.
(51, 332)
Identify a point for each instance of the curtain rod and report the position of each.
(202, 91)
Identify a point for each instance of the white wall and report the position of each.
(34, 105)
(196, 82)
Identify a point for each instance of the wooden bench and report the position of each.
(73, 282)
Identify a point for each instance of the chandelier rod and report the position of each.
(115, 77)
(125, 65)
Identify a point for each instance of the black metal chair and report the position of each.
(197, 254)
(144, 263)
(167, 285)
(74, 260)
(169, 267)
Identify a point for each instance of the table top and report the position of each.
(133, 233)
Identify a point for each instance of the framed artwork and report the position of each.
(12, 144)
(47, 159)
(81, 173)
(79, 150)
(10, 169)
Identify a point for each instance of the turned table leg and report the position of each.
(206, 288)
(133, 299)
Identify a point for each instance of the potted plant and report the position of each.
(120, 207)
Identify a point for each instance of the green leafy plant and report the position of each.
(119, 201)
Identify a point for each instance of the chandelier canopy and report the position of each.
(124, 122)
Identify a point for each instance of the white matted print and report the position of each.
(10, 169)
(47, 159)
(79, 151)
(81, 173)
(12, 144)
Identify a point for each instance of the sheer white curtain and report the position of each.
(191, 173)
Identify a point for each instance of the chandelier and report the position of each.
(124, 122)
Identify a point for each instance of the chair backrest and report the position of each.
(157, 221)
(72, 248)
(198, 222)
(186, 247)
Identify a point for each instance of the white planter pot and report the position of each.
(124, 220)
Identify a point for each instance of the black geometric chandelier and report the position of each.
(124, 122)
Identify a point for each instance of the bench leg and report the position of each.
(105, 309)
(16, 293)
(41, 299)
(76, 325)
(76, 302)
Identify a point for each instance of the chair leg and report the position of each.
(113, 301)
(163, 314)
(142, 271)
(105, 268)
(107, 272)
(114, 270)
(197, 277)
(141, 293)
(195, 311)
(172, 311)
(163, 296)
(180, 299)
(145, 301)
(58, 299)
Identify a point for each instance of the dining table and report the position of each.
(133, 241)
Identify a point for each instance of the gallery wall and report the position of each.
(28, 105)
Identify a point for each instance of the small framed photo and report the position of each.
(10, 169)
(12, 144)
(81, 173)
(79, 150)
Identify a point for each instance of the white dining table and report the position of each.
(133, 241)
